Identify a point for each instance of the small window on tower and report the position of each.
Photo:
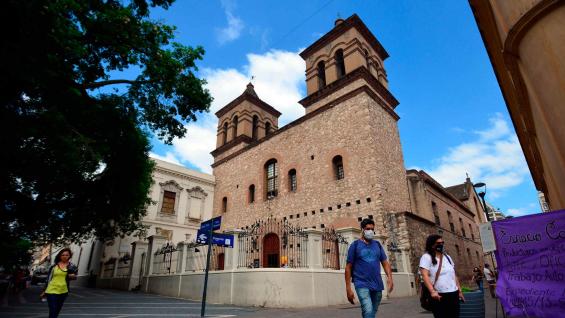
(225, 205)
(252, 193)
(225, 132)
(337, 162)
(339, 63)
(255, 127)
(321, 75)
(292, 184)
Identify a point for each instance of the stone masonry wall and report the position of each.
(357, 129)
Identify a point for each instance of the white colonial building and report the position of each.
(182, 200)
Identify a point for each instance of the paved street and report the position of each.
(85, 302)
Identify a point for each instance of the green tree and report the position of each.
(75, 136)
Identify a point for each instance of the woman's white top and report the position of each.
(446, 281)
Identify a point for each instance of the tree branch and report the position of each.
(110, 82)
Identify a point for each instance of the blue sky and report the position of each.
(453, 117)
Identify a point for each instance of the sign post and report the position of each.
(203, 311)
(206, 235)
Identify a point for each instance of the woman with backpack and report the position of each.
(438, 274)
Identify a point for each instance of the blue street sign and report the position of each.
(214, 223)
(222, 239)
(217, 238)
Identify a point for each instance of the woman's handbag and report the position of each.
(426, 299)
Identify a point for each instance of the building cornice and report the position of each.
(431, 181)
(184, 176)
(358, 73)
(320, 110)
(230, 144)
(248, 97)
(352, 22)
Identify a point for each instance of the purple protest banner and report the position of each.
(531, 264)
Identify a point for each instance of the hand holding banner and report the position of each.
(531, 262)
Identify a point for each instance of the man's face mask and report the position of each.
(369, 234)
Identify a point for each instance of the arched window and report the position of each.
(252, 193)
(235, 122)
(321, 75)
(255, 126)
(225, 205)
(271, 173)
(339, 63)
(338, 168)
(292, 184)
(225, 132)
(267, 129)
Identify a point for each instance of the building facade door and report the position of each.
(221, 260)
(271, 250)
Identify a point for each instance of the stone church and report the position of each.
(340, 162)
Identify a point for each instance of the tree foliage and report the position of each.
(75, 149)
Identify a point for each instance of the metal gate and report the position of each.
(272, 243)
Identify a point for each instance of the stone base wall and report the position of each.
(268, 287)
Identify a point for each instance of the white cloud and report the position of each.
(196, 147)
(279, 81)
(235, 25)
(168, 157)
(530, 209)
(494, 158)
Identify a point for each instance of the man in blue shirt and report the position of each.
(364, 260)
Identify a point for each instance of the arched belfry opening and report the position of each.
(246, 119)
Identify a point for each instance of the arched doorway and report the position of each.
(271, 250)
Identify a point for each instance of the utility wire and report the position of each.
(301, 23)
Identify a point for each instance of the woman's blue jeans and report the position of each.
(480, 284)
(370, 301)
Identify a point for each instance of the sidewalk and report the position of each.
(112, 303)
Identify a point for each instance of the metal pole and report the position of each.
(203, 311)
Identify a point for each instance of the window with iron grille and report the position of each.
(168, 206)
(338, 167)
(292, 185)
(272, 176)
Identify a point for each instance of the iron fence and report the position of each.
(196, 256)
(108, 268)
(272, 243)
(123, 265)
(334, 249)
(165, 260)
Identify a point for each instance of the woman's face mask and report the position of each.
(369, 234)
(439, 247)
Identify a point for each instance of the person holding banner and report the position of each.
(438, 273)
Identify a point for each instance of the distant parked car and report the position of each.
(39, 276)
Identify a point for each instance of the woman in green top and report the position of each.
(58, 281)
